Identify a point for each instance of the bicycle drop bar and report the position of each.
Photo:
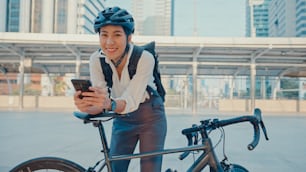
(253, 120)
(186, 153)
(213, 124)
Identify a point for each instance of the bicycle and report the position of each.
(194, 134)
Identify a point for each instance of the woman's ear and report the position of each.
(129, 39)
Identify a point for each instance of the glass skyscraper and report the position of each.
(153, 17)
(12, 15)
(277, 18)
(49, 16)
(301, 18)
(260, 19)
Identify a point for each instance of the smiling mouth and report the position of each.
(111, 49)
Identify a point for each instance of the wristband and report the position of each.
(113, 105)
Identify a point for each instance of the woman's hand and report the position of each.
(81, 105)
(93, 102)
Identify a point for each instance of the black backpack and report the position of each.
(135, 56)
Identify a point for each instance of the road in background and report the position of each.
(25, 135)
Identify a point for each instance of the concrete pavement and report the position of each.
(29, 134)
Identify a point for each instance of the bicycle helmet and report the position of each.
(114, 16)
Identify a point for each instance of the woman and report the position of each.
(143, 115)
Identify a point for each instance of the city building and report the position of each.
(153, 17)
(282, 18)
(286, 18)
(257, 18)
(52, 16)
(300, 18)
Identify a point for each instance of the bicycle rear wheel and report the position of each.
(48, 164)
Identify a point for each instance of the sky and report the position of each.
(211, 18)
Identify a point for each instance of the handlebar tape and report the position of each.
(255, 141)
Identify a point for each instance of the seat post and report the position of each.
(105, 148)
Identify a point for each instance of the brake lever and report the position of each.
(190, 136)
(186, 153)
(257, 114)
(195, 135)
(264, 129)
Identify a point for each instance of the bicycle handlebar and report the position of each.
(208, 125)
(211, 125)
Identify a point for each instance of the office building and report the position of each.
(258, 16)
(300, 18)
(282, 21)
(286, 18)
(49, 16)
(153, 17)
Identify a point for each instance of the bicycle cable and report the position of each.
(195, 152)
(223, 131)
(220, 138)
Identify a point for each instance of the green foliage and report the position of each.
(59, 87)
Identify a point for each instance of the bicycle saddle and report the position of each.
(86, 116)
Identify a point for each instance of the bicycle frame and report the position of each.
(207, 158)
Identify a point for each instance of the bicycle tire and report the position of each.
(48, 163)
(236, 168)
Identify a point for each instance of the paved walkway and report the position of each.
(24, 135)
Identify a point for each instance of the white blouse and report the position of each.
(132, 91)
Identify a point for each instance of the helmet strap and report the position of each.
(118, 62)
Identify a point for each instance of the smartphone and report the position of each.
(81, 85)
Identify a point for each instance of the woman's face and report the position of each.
(113, 41)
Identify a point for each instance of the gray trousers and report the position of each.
(147, 125)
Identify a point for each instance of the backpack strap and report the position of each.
(132, 67)
(107, 71)
(135, 56)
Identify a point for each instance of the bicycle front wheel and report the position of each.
(48, 164)
(236, 168)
